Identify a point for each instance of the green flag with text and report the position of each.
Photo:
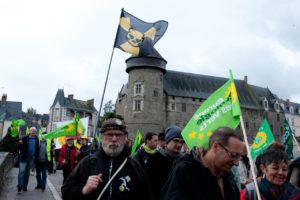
(262, 140)
(222, 108)
(288, 139)
(70, 129)
(136, 143)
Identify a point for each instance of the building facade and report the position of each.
(155, 98)
(65, 108)
(8, 109)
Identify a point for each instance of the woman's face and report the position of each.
(276, 173)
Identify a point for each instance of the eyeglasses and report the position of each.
(111, 135)
(178, 141)
(232, 155)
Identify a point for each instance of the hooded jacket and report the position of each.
(190, 180)
(130, 183)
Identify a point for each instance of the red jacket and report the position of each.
(73, 156)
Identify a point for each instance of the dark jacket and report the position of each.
(142, 156)
(130, 183)
(84, 151)
(158, 169)
(190, 180)
(296, 177)
(24, 148)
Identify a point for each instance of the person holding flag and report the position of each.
(29, 148)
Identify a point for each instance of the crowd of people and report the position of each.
(163, 168)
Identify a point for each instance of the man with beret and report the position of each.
(161, 163)
(113, 174)
(68, 157)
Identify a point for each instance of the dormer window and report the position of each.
(276, 105)
(266, 106)
(291, 110)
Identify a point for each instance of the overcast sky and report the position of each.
(47, 45)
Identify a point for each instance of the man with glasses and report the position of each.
(116, 176)
(161, 163)
(205, 173)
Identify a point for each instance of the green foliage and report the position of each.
(9, 143)
(107, 116)
(31, 111)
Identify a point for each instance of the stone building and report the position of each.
(155, 98)
(64, 109)
(8, 109)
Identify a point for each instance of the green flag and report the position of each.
(68, 129)
(288, 139)
(262, 140)
(222, 108)
(98, 136)
(136, 143)
(40, 133)
(27, 130)
(14, 127)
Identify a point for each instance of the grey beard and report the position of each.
(113, 152)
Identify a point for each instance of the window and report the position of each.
(173, 97)
(281, 129)
(291, 110)
(265, 104)
(271, 126)
(247, 124)
(56, 113)
(277, 107)
(193, 99)
(183, 107)
(173, 107)
(155, 93)
(137, 105)
(278, 117)
(138, 89)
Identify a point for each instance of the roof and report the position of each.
(72, 103)
(10, 109)
(286, 108)
(202, 86)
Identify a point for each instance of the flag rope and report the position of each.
(296, 141)
(251, 161)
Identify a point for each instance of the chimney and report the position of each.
(4, 98)
(288, 102)
(70, 96)
(90, 102)
(246, 79)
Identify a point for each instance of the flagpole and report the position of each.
(296, 141)
(250, 158)
(98, 116)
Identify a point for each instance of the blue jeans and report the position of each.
(24, 172)
(41, 173)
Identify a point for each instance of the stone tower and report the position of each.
(145, 110)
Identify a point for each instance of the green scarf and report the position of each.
(147, 149)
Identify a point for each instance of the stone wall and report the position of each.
(6, 163)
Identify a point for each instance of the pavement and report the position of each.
(52, 191)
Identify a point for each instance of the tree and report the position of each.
(109, 112)
(109, 107)
(31, 111)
